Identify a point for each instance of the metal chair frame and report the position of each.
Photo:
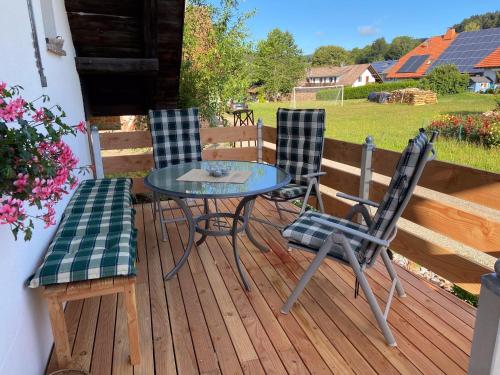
(380, 246)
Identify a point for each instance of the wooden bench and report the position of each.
(57, 294)
(92, 254)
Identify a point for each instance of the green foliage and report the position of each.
(278, 64)
(331, 55)
(361, 92)
(466, 296)
(445, 79)
(400, 46)
(215, 65)
(482, 21)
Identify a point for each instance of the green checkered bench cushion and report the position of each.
(94, 222)
(290, 191)
(308, 233)
(87, 257)
(99, 195)
(96, 237)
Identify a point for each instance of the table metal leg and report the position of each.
(191, 224)
(243, 203)
(207, 223)
(248, 230)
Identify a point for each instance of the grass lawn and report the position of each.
(392, 125)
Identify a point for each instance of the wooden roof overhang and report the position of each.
(128, 53)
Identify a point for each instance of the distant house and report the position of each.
(469, 48)
(383, 67)
(348, 76)
(416, 63)
(480, 83)
(491, 66)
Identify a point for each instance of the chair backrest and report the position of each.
(176, 136)
(408, 171)
(299, 146)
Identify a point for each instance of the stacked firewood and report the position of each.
(413, 96)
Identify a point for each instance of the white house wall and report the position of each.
(26, 339)
(363, 82)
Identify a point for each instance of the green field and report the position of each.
(392, 125)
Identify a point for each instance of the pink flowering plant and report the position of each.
(37, 168)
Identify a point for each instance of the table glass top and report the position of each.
(264, 178)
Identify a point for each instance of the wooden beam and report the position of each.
(112, 65)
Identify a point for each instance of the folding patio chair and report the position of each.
(359, 245)
(176, 140)
(299, 150)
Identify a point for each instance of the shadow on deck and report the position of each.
(202, 321)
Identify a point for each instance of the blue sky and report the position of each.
(358, 22)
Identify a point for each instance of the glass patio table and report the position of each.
(263, 178)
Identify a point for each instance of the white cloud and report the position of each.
(367, 30)
(319, 33)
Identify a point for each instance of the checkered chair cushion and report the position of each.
(96, 237)
(300, 141)
(176, 136)
(308, 233)
(290, 191)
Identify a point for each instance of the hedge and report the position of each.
(361, 92)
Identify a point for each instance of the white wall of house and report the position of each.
(364, 78)
(26, 339)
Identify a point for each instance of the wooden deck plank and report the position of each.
(185, 356)
(163, 347)
(205, 308)
(197, 327)
(146, 366)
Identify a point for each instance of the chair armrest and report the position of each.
(357, 199)
(314, 174)
(354, 232)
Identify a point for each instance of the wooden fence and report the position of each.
(462, 182)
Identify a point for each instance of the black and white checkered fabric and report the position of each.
(310, 234)
(290, 191)
(176, 136)
(398, 188)
(300, 141)
(306, 232)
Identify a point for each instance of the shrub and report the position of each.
(482, 129)
(445, 79)
(361, 92)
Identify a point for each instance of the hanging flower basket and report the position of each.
(37, 168)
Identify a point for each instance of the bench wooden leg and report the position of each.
(60, 332)
(133, 324)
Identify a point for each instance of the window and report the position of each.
(360, 79)
(54, 41)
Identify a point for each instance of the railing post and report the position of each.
(96, 150)
(260, 141)
(366, 168)
(485, 353)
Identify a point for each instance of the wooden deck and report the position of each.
(203, 321)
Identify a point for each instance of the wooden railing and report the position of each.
(469, 228)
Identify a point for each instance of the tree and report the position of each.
(445, 79)
(472, 26)
(331, 55)
(400, 46)
(481, 21)
(215, 65)
(278, 63)
(372, 52)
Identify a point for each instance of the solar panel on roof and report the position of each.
(469, 48)
(413, 63)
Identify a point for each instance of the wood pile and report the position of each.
(413, 96)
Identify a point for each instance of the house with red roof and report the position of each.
(416, 62)
(491, 66)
